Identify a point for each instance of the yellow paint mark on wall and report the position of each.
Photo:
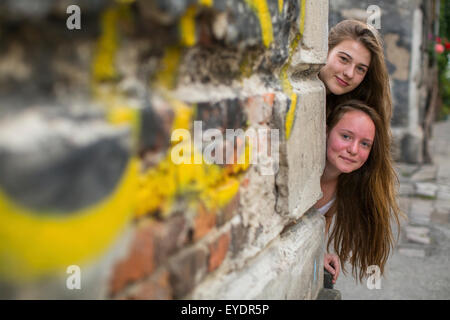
(118, 110)
(287, 88)
(207, 3)
(187, 27)
(161, 186)
(104, 59)
(34, 244)
(290, 117)
(265, 19)
(170, 61)
(280, 6)
(285, 83)
(302, 16)
(210, 184)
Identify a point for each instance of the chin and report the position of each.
(348, 169)
(338, 91)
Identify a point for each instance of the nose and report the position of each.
(353, 148)
(349, 71)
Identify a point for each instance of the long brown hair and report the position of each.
(374, 90)
(365, 200)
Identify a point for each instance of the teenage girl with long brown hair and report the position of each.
(356, 69)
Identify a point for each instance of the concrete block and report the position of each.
(418, 234)
(257, 209)
(413, 252)
(406, 170)
(440, 218)
(443, 174)
(303, 154)
(426, 189)
(443, 192)
(442, 206)
(404, 204)
(406, 189)
(412, 147)
(425, 173)
(289, 268)
(314, 44)
(420, 211)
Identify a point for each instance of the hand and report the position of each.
(332, 264)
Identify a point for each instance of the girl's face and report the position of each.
(349, 142)
(346, 67)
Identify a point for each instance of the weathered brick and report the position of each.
(172, 236)
(203, 222)
(259, 108)
(186, 269)
(228, 211)
(218, 250)
(239, 236)
(156, 288)
(140, 261)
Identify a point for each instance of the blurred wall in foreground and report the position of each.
(93, 204)
(408, 29)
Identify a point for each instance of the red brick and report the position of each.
(203, 222)
(217, 251)
(269, 98)
(258, 108)
(140, 260)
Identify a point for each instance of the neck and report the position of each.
(330, 174)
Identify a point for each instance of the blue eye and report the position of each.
(362, 70)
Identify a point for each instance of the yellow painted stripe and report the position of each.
(207, 3)
(265, 19)
(170, 61)
(290, 117)
(187, 27)
(302, 16)
(34, 243)
(280, 6)
(104, 59)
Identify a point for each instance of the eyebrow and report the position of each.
(351, 58)
(351, 132)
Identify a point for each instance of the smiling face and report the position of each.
(349, 142)
(347, 65)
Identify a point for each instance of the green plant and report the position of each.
(444, 57)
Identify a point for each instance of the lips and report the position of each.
(348, 160)
(341, 82)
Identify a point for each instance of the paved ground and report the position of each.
(420, 266)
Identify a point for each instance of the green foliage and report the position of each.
(443, 58)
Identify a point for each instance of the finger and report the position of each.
(330, 269)
(338, 269)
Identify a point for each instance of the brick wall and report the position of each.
(87, 147)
